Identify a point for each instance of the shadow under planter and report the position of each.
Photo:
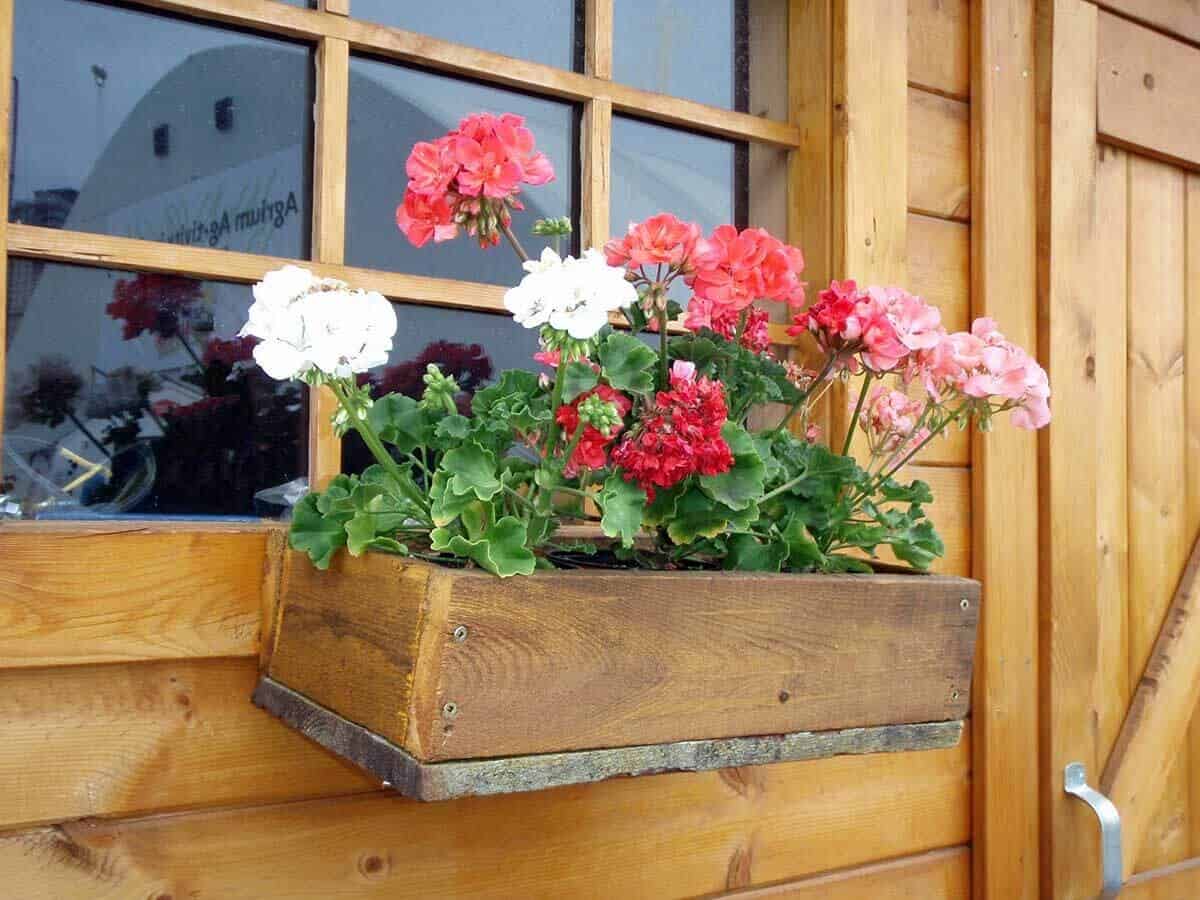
(447, 683)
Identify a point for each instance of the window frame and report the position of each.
(335, 34)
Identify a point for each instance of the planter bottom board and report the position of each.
(507, 775)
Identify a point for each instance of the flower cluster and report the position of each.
(160, 305)
(569, 295)
(312, 327)
(229, 353)
(661, 240)
(470, 178)
(678, 435)
(734, 268)
(591, 449)
(893, 421)
(703, 313)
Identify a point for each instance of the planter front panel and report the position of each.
(593, 659)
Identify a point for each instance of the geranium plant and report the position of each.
(646, 434)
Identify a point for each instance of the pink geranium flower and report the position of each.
(733, 269)
(431, 167)
(421, 217)
(661, 240)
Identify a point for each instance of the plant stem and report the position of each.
(574, 442)
(786, 486)
(506, 229)
(191, 352)
(741, 326)
(862, 396)
(88, 434)
(804, 395)
(664, 366)
(560, 383)
(519, 496)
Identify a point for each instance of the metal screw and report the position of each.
(964, 603)
(450, 710)
(954, 695)
(460, 633)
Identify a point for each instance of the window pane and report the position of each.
(657, 169)
(544, 31)
(129, 394)
(392, 108)
(144, 126)
(666, 46)
(472, 347)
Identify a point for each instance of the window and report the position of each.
(163, 161)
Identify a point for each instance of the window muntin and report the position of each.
(140, 125)
(141, 375)
(391, 108)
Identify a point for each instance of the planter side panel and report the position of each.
(347, 637)
(576, 661)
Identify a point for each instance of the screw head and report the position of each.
(460, 633)
(954, 695)
(964, 603)
(450, 710)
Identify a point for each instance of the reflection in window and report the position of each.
(657, 169)
(117, 129)
(666, 47)
(392, 108)
(543, 31)
(131, 394)
(472, 347)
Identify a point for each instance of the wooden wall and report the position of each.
(134, 765)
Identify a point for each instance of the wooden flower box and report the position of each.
(445, 683)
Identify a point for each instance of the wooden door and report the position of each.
(1120, 296)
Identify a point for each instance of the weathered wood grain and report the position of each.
(1180, 881)
(347, 637)
(939, 46)
(593, 659)
(126, 591)
(939, 156)
(937, 875)
(455, 779)
(134, 738)
(1146, 92)
(671, 836)
(1178, 17)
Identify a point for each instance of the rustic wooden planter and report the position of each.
(446, 683)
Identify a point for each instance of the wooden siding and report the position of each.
(139, 706)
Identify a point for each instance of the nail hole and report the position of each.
(784, 696)
(1148, 81)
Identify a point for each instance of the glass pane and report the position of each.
(129, 394)
(657, 169)
(392, 108)
(472, 347)
(139, 125)
(502, 27)
(667, 47)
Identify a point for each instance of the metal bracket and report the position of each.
(1075, 784)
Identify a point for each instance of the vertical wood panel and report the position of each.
(1005, 472)
(1066, 73)
(1191, 365)
(1157, 460)
(597, 173)
(598, 38)
(1113, 681)
(938, 46)
(329, 229)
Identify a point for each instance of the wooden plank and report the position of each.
(1178, 17)
(1005, 473)
(937, 875)
(668, 836)
(457, 779)
(1068, 461)
(123, 592)
(597, 173)
(340, 7)
(1180, 881)
(1147, 92)
(1113, 682)
(328, 231)
(1191, 372)
(129, 739)
(339, 644)
(1158, 545)
(598, 38)
(870, 161)
(939, 46)
(1158, 718)
(939, 156)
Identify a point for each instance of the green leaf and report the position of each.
(472, 470)
(512, 383)
(337, 498)
(835, 562)
(316, 534)
(916, 492)
(803, 551)
(662, 507)
(577, 378)
(749, 554)
(697, 515)
(365, 529)
(453, 428)
(627, 364)
(501, 550)
(743, 483)
(446, 506)
(400, 421)
(918, 545)
(623, 503)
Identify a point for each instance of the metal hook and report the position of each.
(1075, 784)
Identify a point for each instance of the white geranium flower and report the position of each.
(571, 295)
(307, 323)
